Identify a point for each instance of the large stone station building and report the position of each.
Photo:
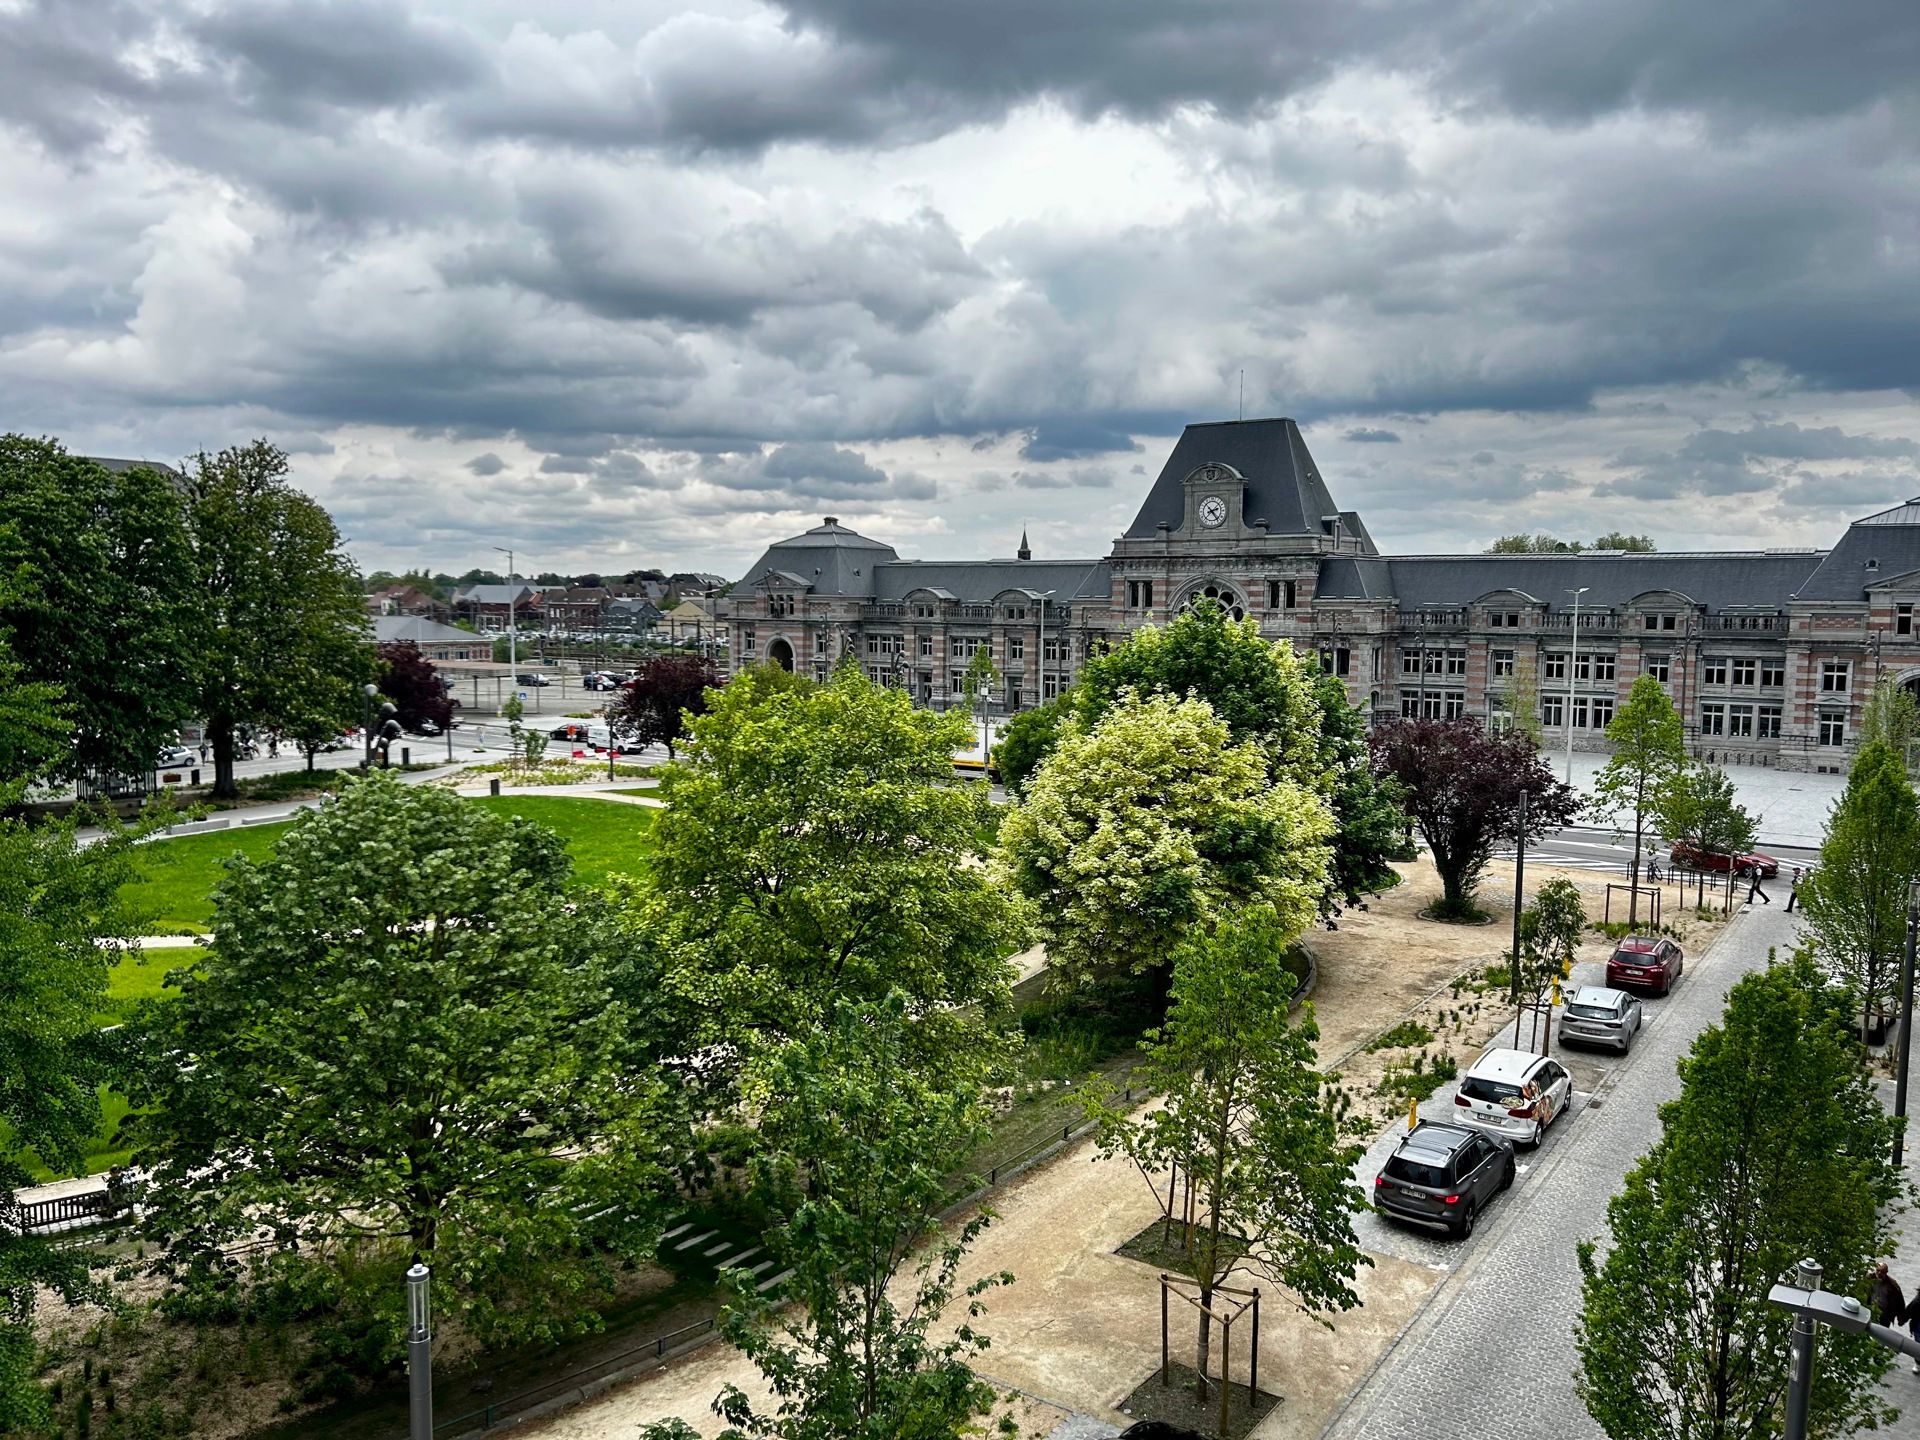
(1769, 654)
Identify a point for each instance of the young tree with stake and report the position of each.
(1249, 1117)
(1649, 754)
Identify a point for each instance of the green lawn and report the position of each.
(604, 837)
(173, 895)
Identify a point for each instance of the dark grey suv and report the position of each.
(1443, 1176)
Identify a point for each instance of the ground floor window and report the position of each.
(1601, 714)
(1553, 710)
(1833, 728)
(1769, 722)
(1050, 687)
(1713, 719)
(1740, 722)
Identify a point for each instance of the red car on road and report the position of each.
(1721, 862)
(1645, 962)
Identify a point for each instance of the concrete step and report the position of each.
(704, 1235)
(765, 1285)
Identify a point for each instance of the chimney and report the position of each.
(833, 519)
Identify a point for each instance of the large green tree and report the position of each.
(1776, 1149)
(1271, 696)
(856, 1145)
(1463, 788)
(62, 928)
(816, 847)
(1856, 898)
(1248, 1117)
(281, 619)
(1153, 823)
(405, 1041)
(101, 599)
(1028, 739)
(1649, 755)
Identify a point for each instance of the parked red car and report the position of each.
(1718, 860)
(1645, 962)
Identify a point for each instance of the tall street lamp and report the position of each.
(367, 694)
(1906, 1024)
(1573, 666)
(513, 653)
(419, 1356)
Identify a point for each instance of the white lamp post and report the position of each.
(1573, 667)
(513, 652)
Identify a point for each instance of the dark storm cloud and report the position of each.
(1759, 59)
(487, 464)
(1789, 441)
(1371, 435)
(1073, 439)
(356, 54)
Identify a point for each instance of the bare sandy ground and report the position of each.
(1080, 1327)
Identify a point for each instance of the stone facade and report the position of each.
(1769, 655)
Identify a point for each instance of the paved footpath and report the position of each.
(1454, 1372)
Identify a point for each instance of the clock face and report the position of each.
(1213, 511)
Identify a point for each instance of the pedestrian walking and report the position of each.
(1793, 894)
(203, 752)
(1886, 1297)
(1753, 886)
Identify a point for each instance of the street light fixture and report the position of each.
(1811, 1306)
(513, 652)
(1906, 1024)
(1573, 666)
(419, 1356)
(367, 694)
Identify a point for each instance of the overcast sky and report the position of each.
(619, 282)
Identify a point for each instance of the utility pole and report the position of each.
(1906, 1024)
(419, 1356)
(1519, 879)
(1800, 1373)
(513, 652)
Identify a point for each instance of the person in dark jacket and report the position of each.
(1753, 886)
(1889, 1305)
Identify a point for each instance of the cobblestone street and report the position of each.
(1491, 1356)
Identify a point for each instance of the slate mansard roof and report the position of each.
(831, 560)
(1875, 549)
(1730, 580)
(1284, 487)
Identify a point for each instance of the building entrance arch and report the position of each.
(781, 654)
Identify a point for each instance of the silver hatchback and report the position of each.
(1597, 1015)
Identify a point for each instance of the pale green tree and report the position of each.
(1649, 755)
(1154, 823)
(1269, 695)
(1248, 1116)
(1776, 1149)
(855, 1149)
(815, 847)
(1856, 897)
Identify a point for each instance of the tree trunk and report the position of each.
(310, 755)
(220, 731)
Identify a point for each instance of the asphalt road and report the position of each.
(1491, 1356)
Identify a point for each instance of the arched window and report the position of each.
(1223, 594)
